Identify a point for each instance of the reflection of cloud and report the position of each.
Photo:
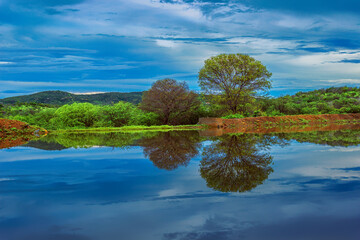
(105, 193)
(322, 227)
(341, 149)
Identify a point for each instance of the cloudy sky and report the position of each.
(122, 45)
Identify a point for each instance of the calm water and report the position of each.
(182, 185)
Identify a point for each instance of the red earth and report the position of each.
(14, 133)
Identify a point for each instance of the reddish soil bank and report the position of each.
(8, 124)
(15, 133)
(324, 122)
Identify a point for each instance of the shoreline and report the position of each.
(254, 123)
(156, 128)
(15, 133)
(9, 128)
(289, 123)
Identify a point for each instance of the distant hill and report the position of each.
(333, 100)
(62, 98)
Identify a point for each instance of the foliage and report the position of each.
(236, 115)
(323, 101)
(172, 101)
(81, 115)
(232, 80)
(76, 115)
(123, 113)
(183, 107)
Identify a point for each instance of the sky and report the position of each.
(121, 45)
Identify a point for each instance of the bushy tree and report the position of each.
(125, 113)
(172, 101)
(120, 114)
(233, 79)
(76, 115)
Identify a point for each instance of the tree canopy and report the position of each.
(232, 79)
(171, 100)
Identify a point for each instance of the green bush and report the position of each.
(76, 115)
(236, 115)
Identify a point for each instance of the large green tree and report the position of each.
(232, 80)
(171, 100)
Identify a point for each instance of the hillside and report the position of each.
(61, 98)
(332, 100)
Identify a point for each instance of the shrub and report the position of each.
(79, 115)
(235, 115)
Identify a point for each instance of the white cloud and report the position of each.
(86, 93)
(166, 43)
(327, 58)
(343, 81)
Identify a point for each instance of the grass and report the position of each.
(134, 128)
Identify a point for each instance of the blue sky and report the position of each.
(120, 45)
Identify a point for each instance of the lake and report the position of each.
(182, 185)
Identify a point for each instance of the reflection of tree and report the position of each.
(169, 150)
(88, 140)
(343, 138)
(235, 163)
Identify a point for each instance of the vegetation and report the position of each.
(14, 133)
(122, 114)
(230, 83)
(81, 115)
(332, 100)
(232, 80)
(172, 101)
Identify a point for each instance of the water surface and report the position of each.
(182, 185)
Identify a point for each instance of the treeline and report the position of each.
(230, 85)
(156, 109)
(334, 100)
(80, 115)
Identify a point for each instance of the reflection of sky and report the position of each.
(105, 193)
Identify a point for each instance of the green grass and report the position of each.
(134, 128)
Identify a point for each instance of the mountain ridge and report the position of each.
(58, 97)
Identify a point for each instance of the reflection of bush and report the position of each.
(87, 140)
(235, 163)
(169, 150)
(342, 138)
